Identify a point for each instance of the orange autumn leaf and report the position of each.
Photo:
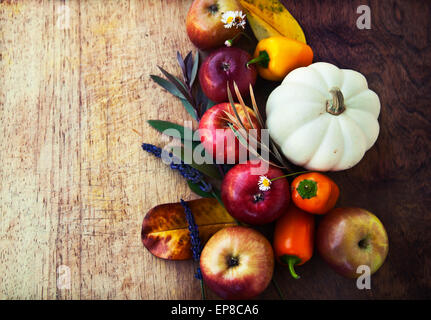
(165, 230)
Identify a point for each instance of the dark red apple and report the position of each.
(226, 65)
(218, 138)
(350, 237)
(237, 263)
(204, 26)
(246, 202)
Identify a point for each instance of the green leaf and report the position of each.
(168, 86)
(207, 169)
(195, 69)
(210, 104)
(189, 108)
(196, 189)
(162, 126)
(177, 83)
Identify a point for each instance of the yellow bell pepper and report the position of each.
(276, 56)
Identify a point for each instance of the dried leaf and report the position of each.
(232, 104)
(244, 107)
(274, 17)
(255, 108)
(165, 230)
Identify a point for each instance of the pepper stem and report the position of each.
(335, 106)
(307, 189)
(262, 59)
(291, 261)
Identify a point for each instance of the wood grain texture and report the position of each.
(75, 186)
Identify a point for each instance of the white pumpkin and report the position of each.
(323, 118)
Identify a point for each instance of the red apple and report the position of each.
(226, 65)
(237, 263)
(217, 137)
(204, 26)
(350, 237)
(246, 202)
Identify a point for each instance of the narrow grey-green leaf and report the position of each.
(177, 83)
(162, 126)
(195, 69)
(168, 86)
(189, 108)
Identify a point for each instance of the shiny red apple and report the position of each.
(350, 237)
(204, 26)
(245, 201)
(226, 65)
(237, 263)
(218, 138)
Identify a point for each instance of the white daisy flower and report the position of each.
(233, 19)
(264, 183)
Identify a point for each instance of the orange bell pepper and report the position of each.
(314, 192)
(276, 56)
(294, 238)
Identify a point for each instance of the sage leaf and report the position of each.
(194, 70)
(168, 86)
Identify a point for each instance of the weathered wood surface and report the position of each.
(74, 184)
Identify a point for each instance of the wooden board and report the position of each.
(75, 185)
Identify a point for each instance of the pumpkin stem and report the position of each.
(335, 106)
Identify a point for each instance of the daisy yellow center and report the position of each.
(229, 19)
(266, 182)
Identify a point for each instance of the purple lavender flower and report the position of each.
(194, 236)
(185, 170)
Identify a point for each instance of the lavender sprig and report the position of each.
(194, 234)
(185, 170)
(195, 241)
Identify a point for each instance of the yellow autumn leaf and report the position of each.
(270, 18)
(165, 230)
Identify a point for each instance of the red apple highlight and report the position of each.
(245, 202)
(350, 237)
(217, 137)
(237, 263)
(204, 26)
(226, 65)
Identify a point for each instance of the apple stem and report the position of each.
(289, 175)
(262, 59)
